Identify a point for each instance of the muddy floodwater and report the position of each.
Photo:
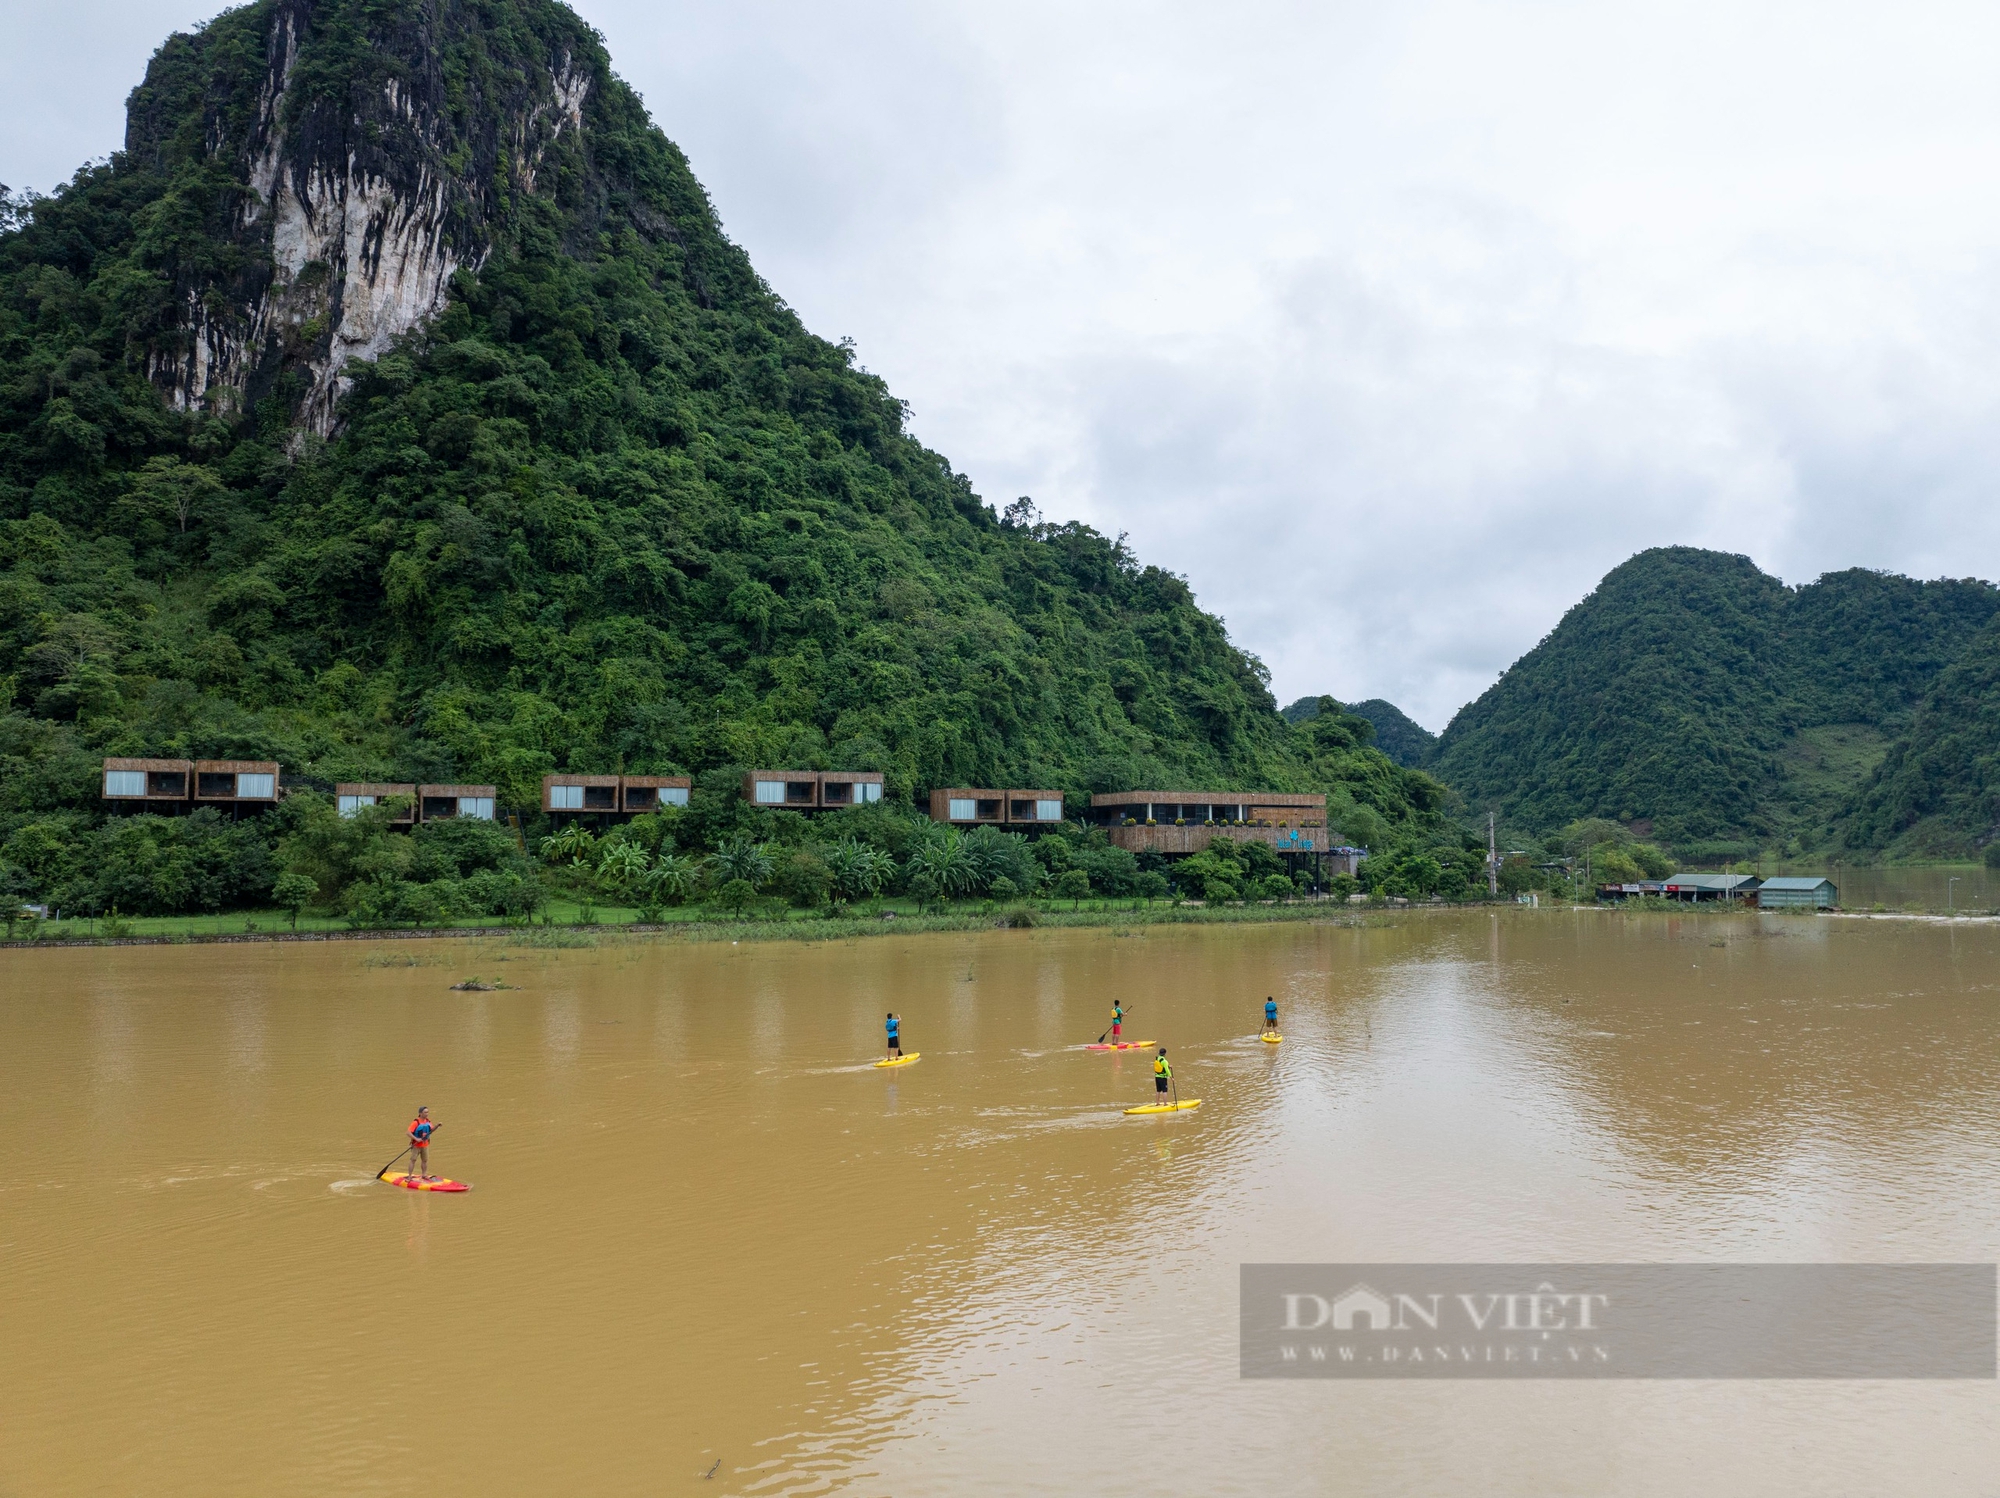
(705, 1235)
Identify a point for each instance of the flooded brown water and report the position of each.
(704, 1230)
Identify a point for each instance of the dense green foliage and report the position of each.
(1685, 692)
(1937, 793)
(1393, 731)
(614, 508)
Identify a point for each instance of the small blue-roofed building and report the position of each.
(1803, 892)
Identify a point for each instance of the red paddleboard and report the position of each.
(1121, 1045)
(420, 1183)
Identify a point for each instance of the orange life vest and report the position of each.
(421, 1139)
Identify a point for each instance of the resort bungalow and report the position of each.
(1034, 808)
(796, 790)
(643, 793)
(439, 803)
(572, 793)
(1798, 893)
(401, 800)
(1174, 822)
(839, 788)
(1697, 887)
(239, 784)
(148, 784)
(812, 790)
(997, 808)
(969, 808)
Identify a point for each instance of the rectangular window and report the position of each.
(124, 782)
(989, 811)
(961, 810)
(476, 806)
(869, 791)
(770, 792)
(257, 787)
(800, 792)
(565, 798)
(600, 797)
(837, 792)
(349, 805)
(1048, 811)
(673, 795)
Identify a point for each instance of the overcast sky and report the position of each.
(1391, 327)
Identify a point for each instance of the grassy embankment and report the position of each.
(562, 922)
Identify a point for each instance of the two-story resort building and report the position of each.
(1177, 823)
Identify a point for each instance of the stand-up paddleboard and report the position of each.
(418, 1183)
(1122, 1045)
(1193, 1102)
(1269, 1039)
(900, 1060)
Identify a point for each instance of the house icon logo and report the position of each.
(1361, 1303)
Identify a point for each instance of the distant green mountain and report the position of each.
(394, 406)
(1936, 794)
(1397, 735)
(1693, 692)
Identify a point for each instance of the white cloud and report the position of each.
(1392, 327)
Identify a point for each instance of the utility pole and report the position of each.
(1492, 861)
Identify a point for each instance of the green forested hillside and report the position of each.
(1693, 692)
(1396, 734)
(613, 507)
(1937, 793)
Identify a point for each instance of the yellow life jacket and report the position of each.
(1160, 1067)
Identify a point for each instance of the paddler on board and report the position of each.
(895, 1029)
(1163, 1074)
(1117, 1018)
(1271, 1015)
(421, 1129)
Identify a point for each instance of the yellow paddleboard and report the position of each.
(1270, 1039)
(1167, 1107)
(900, 1060)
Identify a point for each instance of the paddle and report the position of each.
(406, 1149)
(1107, 1028)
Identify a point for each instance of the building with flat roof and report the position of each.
(1798, 892)
(1021, 810)
(1181, 822)
(238, 785)
(439, 803)
(158, 785)
(578, 793)
(638, 794)
(349, 797)
(839, 788)
(812, 790)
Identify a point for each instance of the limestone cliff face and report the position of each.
(359, 190)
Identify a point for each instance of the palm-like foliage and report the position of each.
(859, 871)
(943, 858)
(623, 863)
(572, 845)
(739, 858)
(671, 879)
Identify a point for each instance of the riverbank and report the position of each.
(576, 930)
